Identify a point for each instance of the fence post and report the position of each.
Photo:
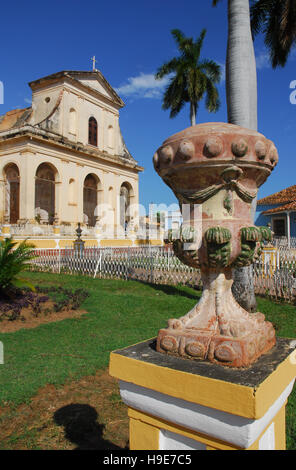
(126, 264)
(98, 264)
(151, 267)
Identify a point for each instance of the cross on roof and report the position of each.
(93, 59)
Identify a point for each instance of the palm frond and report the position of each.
(167, 68)
(288, 24)
(198, 45)
(259, 12)
(276, 19)
(178, 36)
(175, 96)
(212, 97)
(188, 83)
(211, 69)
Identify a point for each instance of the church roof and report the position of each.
(14, 118)
(76, 75)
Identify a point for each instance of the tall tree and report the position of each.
(241, 96)
(191, 78)
(241, 77)
(277, 20)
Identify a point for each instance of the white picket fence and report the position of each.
(160, 265)
(283, 242)
(147, 263)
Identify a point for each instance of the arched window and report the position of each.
(90, 199)
(92, 131)
(12, 202)
(125, 200)
(45, 193)
(72, 121)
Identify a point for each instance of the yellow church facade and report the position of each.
(63, 161)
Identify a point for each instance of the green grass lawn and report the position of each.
(120, 313)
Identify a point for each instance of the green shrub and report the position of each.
(13, 261)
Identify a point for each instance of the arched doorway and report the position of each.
(45, 193)
(125, 201)
(90, 199)
(12, 196)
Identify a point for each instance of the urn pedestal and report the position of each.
(215, 170)
(215, 378)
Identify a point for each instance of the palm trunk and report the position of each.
(241, 91)
(241, 77)
(193, 114)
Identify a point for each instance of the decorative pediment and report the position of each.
(93, 81)
(96, 81)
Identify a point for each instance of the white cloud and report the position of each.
(223, 72)
(263, 60)
(28, 101)
(143, 86)
(146, 86)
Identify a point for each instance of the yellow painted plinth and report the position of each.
(144, 432)
(256, 396)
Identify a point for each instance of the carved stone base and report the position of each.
(217, 328)
(225, 350)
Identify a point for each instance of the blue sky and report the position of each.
(131, 39)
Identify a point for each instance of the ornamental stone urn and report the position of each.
(215, 170)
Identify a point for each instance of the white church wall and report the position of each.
(46, 110)
(64, 108)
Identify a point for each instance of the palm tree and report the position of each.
(241, 77)
(277, 20)
(241, 96)
(191, 79)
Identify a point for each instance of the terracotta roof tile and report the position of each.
(291, 206)
(11, 118)
(285, 196)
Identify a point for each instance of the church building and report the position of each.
(63, 160)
